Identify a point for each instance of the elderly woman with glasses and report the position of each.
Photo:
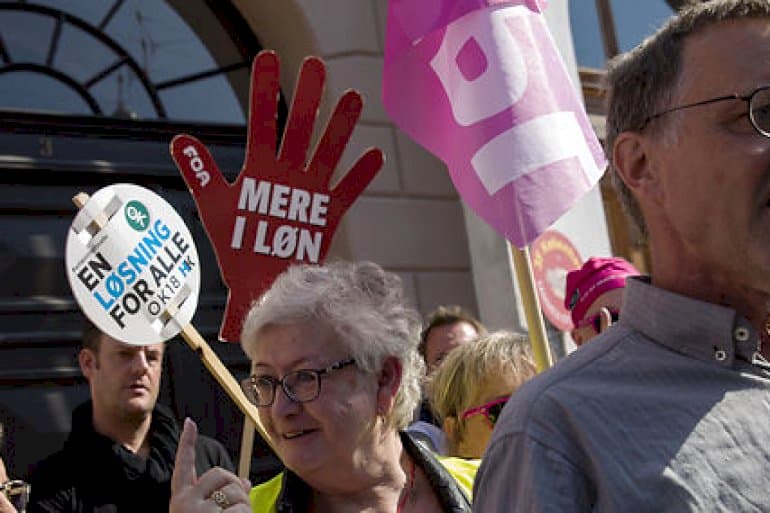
(471, 386)
(336, 376)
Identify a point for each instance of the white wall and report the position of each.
(409, 219)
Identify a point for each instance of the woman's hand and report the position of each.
(215, 491)
(5, 505)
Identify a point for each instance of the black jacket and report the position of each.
(92, 473)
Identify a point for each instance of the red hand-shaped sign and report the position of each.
(280, 210)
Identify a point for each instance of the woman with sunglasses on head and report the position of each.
(335, 378)
(471, 386)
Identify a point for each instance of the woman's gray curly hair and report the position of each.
(364, 305)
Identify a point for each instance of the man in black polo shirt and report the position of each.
(119, 456)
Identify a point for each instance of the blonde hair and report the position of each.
(456, 383)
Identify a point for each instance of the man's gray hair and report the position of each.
(645, 80)
(364, 306)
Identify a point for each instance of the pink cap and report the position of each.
(597, 276)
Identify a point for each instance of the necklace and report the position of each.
(408, 491)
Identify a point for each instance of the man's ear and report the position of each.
(605, 318)
(88, 362)
(388, 381)
(630, 158)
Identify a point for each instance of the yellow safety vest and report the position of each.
(264, 496)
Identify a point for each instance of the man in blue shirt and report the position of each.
(670, 409)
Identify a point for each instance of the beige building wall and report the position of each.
(409, 220)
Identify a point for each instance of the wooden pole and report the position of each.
(247, 447)
(607, 26)
(535, 324)
(233, 389)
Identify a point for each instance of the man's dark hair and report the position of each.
(91, 337)
(444, 315)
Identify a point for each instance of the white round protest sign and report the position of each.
(132, 265)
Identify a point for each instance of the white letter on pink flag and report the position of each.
(484, 96)
(481, 85)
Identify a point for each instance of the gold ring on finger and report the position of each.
(220, 499)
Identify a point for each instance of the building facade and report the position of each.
(91, 93)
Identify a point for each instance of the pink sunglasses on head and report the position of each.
(490, 410)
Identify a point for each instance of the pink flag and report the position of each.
(480, 84)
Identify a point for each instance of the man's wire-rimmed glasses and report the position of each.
(301, 386)
(759, 108)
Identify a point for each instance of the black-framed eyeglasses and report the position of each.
(759, 108)
(17, 492)
(301, 386)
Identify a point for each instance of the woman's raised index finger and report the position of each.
(184, 466)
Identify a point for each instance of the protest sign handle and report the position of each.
(232, 388)
(80, 199)
(247, 447)
(532, 312)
